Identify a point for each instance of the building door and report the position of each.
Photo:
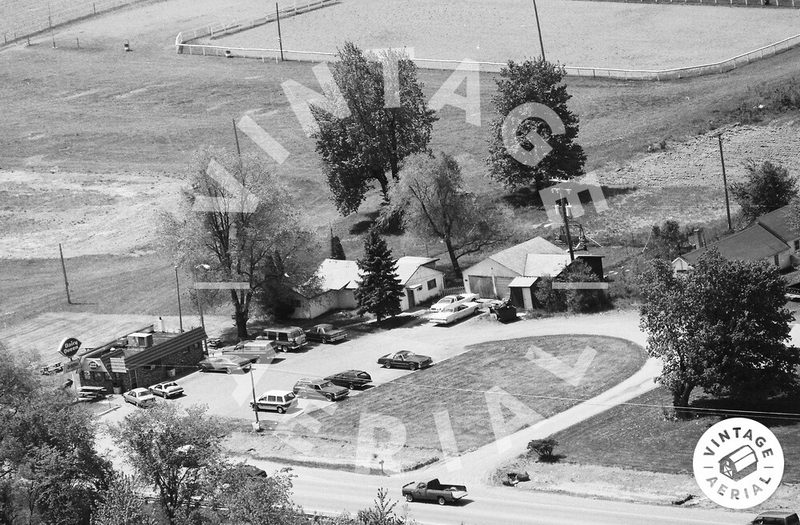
(481, 286)
(411, 302)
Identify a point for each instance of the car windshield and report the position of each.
(289, 396)
(325, 384)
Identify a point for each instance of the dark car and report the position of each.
(227, 364)
(405, 359)
(352, 379)
(91, 393)
(326, 333)
(776, 517)
(319, 388)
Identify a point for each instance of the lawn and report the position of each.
(497, 373)
(638, 436)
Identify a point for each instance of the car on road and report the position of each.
(260, 351)
(326, 333)
(352, 379)
(433, 490)
(141, 397)
(286, 337)
(228, 364)
(319, 388)
(405, 359)
(449, 301)
(167, 389)
(776, 517)
(278, 400)
(91, 393)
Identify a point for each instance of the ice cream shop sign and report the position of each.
(69, 347)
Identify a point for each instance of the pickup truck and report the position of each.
(433, 490)
(451, 315)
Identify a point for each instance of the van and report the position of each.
(278, 400)
(256, 351)
(776, 517)
(286, 338)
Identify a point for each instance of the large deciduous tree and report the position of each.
(175, 451)
(246, 498)
(721, 327)
(380, 290)
(767, 187)
(541, 82)
(369, 145)
(433, 204)
(238, 224)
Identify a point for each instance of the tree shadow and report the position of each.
(527, 197)
(785, 409)
(362, 227)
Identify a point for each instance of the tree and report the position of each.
(337, 250)
(381, 513)
(360, 149)
(721, 327)
(767, 188)
(540, 82)
(122, 504)
(174, 451)
(667, 241)
(433, 204)
(380, 290)
(49, 470)
(255, 237)
(571, 300)
(247, 499)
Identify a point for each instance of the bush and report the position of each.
(543, 448)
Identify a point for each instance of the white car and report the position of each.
(141, 397)
(449, 302)
(167, 389)
(456, 313)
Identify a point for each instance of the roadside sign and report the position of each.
(118, 365)
(72, 366)
(69, 347)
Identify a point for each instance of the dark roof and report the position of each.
(164, 348)
(779, 223)
(754, 243)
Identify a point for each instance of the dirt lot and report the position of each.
(574, 33)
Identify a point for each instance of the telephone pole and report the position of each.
(178, 289)
(725, 183)
(64, 270)
(538, 29)
(562, 209)
(278, 19)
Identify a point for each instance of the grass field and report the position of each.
(461, 387)
(575, 33)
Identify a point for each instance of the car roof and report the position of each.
(276, 393)
(139, 389)
(323, 325)
(776, 514)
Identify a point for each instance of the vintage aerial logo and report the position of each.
(738, 463)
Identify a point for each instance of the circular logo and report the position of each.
(69, 347)
(738, 463)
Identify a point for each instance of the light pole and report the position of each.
(725, 183)
(562, 210)
(206, 268)
(256, 425)
(538, 28)
(178, 289)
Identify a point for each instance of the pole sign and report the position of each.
(69, 347)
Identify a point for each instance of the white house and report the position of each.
(338, 281)
(513, 273)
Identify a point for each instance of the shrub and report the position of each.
(543, 448)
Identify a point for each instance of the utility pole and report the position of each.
(64, 270)
(200, 304)
(278, 19)
(562, 209)
(236, 138)
(178, 289)
(538, 29)
(725, 183)
(256, 425)
(50, 24)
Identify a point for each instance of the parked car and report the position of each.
(167, 389)
(352, 379)
(405, 359)
(433, 490)
(504, 312)
(260, 351)
(141, 397)
(320, 388)
(326, 333)
(455, 313)
(49, 370)
(285, 338)
(278, 400)
(449, 301)
(225, 363)
(214, 342)
(777, 517)
(91, 393)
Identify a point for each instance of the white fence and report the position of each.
(267, 54)
(731, 3)
(19, 24)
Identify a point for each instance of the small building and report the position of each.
(420, 279)
(513, 273)
(337, 281)
(142, 358)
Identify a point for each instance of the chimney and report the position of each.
(698, 238)
(160, 324)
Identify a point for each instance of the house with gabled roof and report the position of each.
(773, 238)
(513, 273)
(337, 280)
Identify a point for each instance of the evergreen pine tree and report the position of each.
(337, 250)
(380, 290)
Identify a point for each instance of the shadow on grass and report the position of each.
(786, 409)
(530, 198)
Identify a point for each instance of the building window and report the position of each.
(797, 245)
(777, 261)
(432, 284)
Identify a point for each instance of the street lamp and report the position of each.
(206, 268)
(256, 425)
(178, 289)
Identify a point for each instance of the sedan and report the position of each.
(405, 359)
(227, 364)
(167, 389)
(450, 301)
(352, 379)
(141, 397)
(326, 333)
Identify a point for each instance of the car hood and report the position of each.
(419, 358)
(335, 389)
